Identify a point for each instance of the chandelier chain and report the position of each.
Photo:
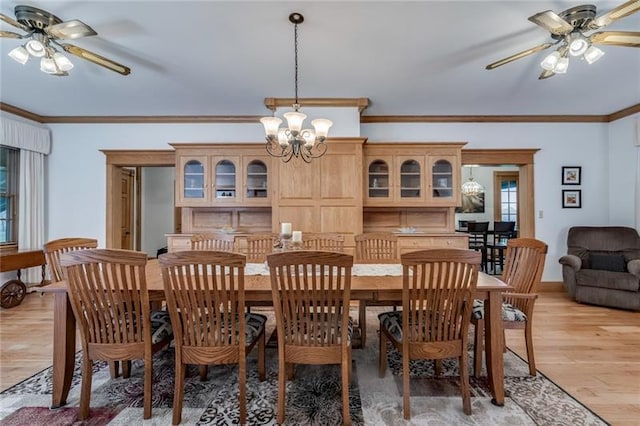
(295, 81)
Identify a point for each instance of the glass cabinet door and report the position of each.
(193, 175)
(410, 179)
(442, 179)
(225, 183)
(257, 179)
(378, 179)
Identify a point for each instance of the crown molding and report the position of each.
(361, 103)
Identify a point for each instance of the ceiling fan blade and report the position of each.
(70, 30)
(15, 23)
(9, 34)
(616, 38)
(519, 55)
(625, 9)
(96, 59)
(552, 22)
(546, 74)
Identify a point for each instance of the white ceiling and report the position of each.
(407, 57)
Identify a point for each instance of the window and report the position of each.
(506, 196)
(9, 173)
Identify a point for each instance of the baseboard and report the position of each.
(551, 286)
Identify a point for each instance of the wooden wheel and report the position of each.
(12, 293)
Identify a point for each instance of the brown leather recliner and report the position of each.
(602, 266)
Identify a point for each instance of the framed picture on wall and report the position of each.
(472, 203)
(571, 198)
(571, 175)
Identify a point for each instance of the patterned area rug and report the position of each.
(313, 397)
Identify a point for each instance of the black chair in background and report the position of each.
(502, 232)
(478, 233)
(463, 225)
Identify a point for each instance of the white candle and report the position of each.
(285, 228)
(296, 236)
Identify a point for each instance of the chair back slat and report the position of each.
(205, 297)
(323, 241)
(259, 246)
(108, 293)
(53, 249)
(311, 294)
(213, 241)
(523, 269)
(438, 289)
(381, 247)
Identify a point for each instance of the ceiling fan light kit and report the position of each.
(571, 28)
(294, 141)
(44, 32)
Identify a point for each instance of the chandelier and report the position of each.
(293, 140)
(471, 187)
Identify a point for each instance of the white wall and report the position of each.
(623, 162)
(157, 207)
(76, 171)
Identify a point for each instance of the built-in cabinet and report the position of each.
(354, 188)
(412, 174)
(221, 175)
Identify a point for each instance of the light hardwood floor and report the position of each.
(591, 352)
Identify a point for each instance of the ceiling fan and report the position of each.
(570, 29)
(45, 33)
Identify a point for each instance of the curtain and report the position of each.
(34, 143)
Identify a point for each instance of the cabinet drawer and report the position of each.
(407, 244)
(179, 243)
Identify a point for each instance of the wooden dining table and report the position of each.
(380, 288)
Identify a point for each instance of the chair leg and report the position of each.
(178, 393)
(382, 354)
(528, 337)
(346, 417)
(204, 371)
(85, 389)
(282, 381)
(114, 369)
(406, 407)
(478, 347)
(464, 383)
(362, 322)
(242, 389)
(438, 366)
(148, 380)
(261, 357)
(126, 369)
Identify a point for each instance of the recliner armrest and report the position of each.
(633, 266)
(571, 260)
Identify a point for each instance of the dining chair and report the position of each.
(109, 298)
(311, 295)
(52, 251)
(213, 241)
(437, 297)
(259, 246)
(523, 271)
(54, 248)
(204, 291)
(323, 241)
(502, 232)
(374, 247)
(478, 233)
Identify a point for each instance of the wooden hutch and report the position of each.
(356, 187)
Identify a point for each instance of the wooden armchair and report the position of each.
(259, 246)
(323, 241)
(218, 241)
(523, 271)
(375, 247)
(311, 295)
(108, 293)
(437, 297)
